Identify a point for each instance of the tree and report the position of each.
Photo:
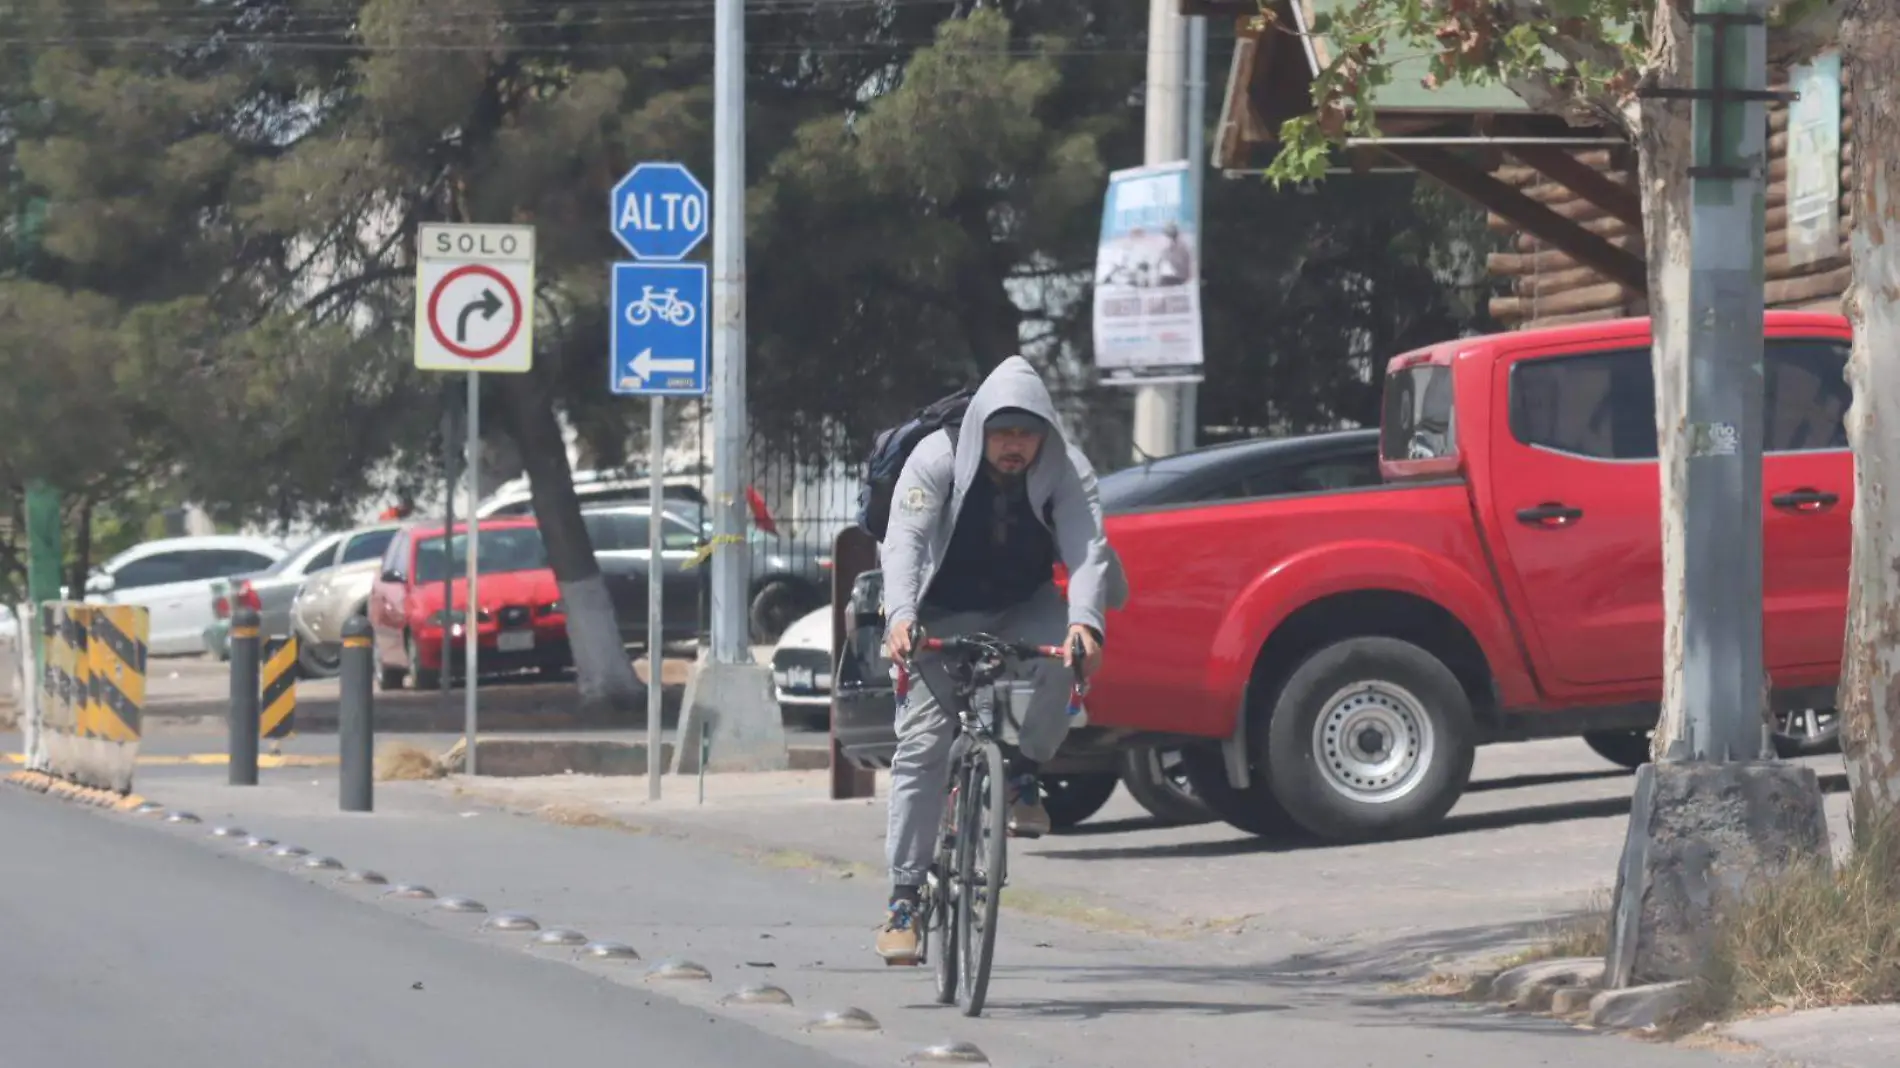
(1869, 702)
(1587, 60)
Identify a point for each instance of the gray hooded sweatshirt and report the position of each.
(936, 477)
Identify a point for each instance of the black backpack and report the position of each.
(893, 447)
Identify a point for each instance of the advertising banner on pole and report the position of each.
(1148, 278)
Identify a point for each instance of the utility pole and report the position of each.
(1722, 583)
(1158, 407)
(1715, 813)
(1188, 418)
(733, 714)
(730, 558)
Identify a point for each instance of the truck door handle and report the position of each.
(1805, 499)
(1550, 514)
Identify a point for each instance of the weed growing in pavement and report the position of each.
(1817, 935)
(1583, 934)
(403, 761)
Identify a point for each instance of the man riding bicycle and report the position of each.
(980, 515)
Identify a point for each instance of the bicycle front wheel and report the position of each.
(940, 922)
(981, 867)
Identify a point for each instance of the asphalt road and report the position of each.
(126, 948)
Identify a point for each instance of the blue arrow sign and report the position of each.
(659, 335)
(660, 211)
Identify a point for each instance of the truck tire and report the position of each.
(1155, 778)
(1070, 799)
(1625, 749)
(1370, 738)
(1254, 810)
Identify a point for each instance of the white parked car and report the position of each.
(172, 579)
(801, 669)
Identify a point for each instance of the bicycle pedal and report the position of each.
(913, 962)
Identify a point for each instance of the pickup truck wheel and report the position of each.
(1808, 732)
(1625, 749)
(1254, 810)
(1070, 799)
(1157, 780)
(1371, 738)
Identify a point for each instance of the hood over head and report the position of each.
(1014, 387)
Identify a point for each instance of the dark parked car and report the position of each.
(1084, 774)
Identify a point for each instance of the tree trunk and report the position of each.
(593, 631)
(1665, 150)
(1869, 698)
(82, 552)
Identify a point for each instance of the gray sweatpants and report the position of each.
(926, 730)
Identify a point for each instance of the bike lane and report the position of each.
(1061, 994)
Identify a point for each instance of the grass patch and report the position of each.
(405, 762)
(1818, 935)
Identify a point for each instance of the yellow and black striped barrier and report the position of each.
(92, 691)
(278, 702)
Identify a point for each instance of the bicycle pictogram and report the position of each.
(666, 304)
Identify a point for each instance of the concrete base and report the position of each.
(735, 706)
(1698, 835)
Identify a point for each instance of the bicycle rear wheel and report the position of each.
(940, 920)
(981, 868)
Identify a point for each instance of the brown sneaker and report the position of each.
(1027, 817)
(897, 939)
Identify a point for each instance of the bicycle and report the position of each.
(977, 670)
(666, 305)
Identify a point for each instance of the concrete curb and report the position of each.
(509, 708)
(516, 758)
(1572, 988)
(42, 783)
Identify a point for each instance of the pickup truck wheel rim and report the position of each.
(1373, 742)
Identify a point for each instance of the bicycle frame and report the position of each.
(976, 662)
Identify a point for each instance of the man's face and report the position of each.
(1011, 450)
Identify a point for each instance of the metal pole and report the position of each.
(448, 524)
(1157, 408)
(1189, 417)
(1722, 625)
(356, 726)
(472, 614)
(44, 556)
(730, 560)
(656, 582)
(241, 720)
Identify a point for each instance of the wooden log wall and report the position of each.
(1548, 288)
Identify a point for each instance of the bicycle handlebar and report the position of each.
(962, 643)
(977, 643)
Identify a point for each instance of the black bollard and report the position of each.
(242, 717)
(356, 729)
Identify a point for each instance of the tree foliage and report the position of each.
(211, 209)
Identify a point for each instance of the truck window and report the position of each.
(1601, 405)
(1805, 395)
(1417, 420)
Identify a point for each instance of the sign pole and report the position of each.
(472, 615)
(448, 526)
(656, 581)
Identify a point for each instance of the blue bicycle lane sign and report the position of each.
(659, 337)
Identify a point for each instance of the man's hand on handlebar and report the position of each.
(898, 642)
(1091, 650)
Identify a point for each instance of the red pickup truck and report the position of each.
(1350, 648)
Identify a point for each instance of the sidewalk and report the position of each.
(1063, 994)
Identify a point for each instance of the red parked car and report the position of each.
(520, 623)
(1348, 649)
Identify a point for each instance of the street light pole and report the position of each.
(1158, 407)
(730, 560)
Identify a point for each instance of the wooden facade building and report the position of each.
(1563, 198)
